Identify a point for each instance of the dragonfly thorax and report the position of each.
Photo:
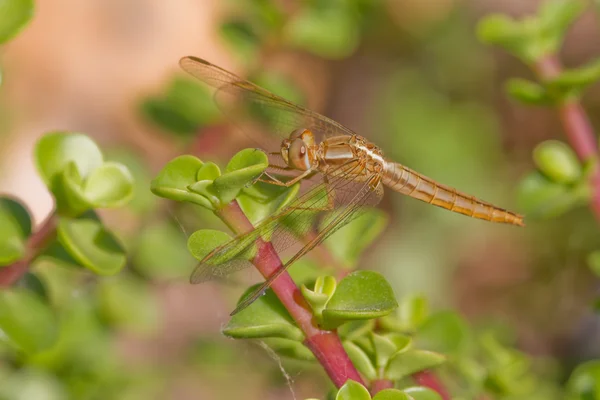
(299, 151)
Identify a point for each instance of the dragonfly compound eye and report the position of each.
(298, 155)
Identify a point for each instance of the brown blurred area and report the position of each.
(84, 66)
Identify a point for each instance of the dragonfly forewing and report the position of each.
(234, 94)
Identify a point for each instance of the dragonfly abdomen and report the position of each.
(406, 181)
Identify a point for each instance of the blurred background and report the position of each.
(409, 75)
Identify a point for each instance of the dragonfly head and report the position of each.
(298, 150)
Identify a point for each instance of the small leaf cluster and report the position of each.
(57, 326)
(330, 29)
(355, 391)
(560, 183)
(74, 171)
(73, 168)
(532, 40)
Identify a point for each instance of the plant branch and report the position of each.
(577, 126)
(325, 345)
(380, 384)
(36, 243)
(430, 380)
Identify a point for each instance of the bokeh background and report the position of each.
(408, 74)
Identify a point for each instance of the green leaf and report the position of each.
(208, 172)
(263, 200)
(242, 38)
(352, 390)
(55, 151)
(264, 318)
(15, 228)
(82, 342)
(360, 360)
(391, 394)
(584, 382)
(576, 79)
(355, 329)
(499, 29)
(242, 170)
(14, 15)
(557, 161)
(289, 348)
(445, 332)
(58, 256)
(528, 92)
(413, 311)
(406, 363)
(360, 295)
(91, 245)
(318, 297)
(161, 253)
(183, 109)
(202, 242)
(384, 348)
(68, 192)
(538, 197)
(31, 282)
(330, 32)
(422, 393)
(349, 242)
(143, 201)
(173, 180)
(110, 185)
(129, 304)
(556, 16)
(594, 262)
(26, 322)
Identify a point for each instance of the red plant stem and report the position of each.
(430, 380)
(381, 384)
(36, 243)
(325, 345)
(577, 126)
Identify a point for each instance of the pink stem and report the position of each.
(577, 126)
(381, 384)
(325, 345)
(36, 243)
(430, 380)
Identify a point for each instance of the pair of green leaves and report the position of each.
(559, 185)
(361, 295)
(187, 178)
(355, 391)
(73, 168)
(532, 40)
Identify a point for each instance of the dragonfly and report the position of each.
(351, 174)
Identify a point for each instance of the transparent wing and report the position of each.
(367, 196)
(283, 115)
(282, 229)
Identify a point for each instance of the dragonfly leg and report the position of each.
(274, 181)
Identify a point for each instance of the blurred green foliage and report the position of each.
(15, 16)
(60, 326)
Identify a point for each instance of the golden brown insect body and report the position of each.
(355, 156)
